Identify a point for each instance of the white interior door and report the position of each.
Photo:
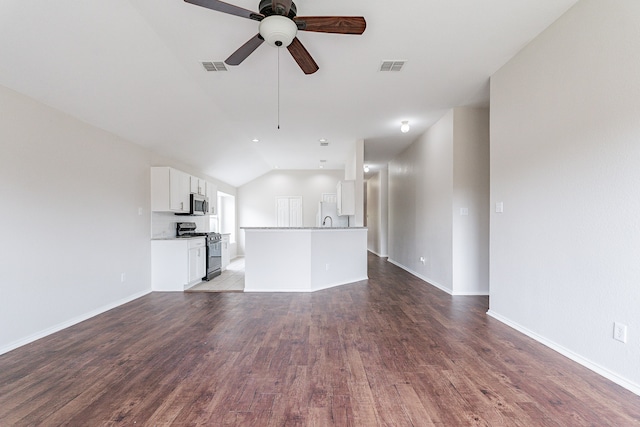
(289, 211)
(295, 212)
(330, 197)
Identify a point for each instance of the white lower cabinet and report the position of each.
(196, 264)
(225, 252)
(177, 264)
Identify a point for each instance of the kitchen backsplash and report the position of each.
(164, 224)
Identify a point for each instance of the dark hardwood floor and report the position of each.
(390, 351)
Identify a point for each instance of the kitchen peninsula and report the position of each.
(303, 259)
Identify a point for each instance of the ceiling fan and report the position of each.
(279, 26)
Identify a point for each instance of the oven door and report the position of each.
(214, 260)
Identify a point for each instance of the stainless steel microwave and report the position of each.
(199, 205)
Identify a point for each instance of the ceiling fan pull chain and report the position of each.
(278, 88)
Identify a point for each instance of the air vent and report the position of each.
(323, 161)
(324, 143)
(214, 66)
(392, 65)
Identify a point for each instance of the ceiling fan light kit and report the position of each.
(278, 31)
(279, 26)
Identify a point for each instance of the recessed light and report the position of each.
(255, 140)
(323, 140)
(321, 166)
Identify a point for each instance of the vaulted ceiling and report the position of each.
(134, 68)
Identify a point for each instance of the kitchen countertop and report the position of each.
(303, 228)
(177, 238)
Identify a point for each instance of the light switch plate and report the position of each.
(620, 332)
(499, 207)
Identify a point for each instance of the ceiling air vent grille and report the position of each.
(392, 65)
(214, 66)
(324, 143)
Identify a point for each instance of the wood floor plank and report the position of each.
(391, 350)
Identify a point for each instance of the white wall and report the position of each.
(256, 200)
(376, 212)
(372, 213)
(354, 170)
(420, 200)
(70, 197)
(565, 156)
(444, 170)
(471, 194)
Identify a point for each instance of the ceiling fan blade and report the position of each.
(245, 50)
(332, 24)
(281, 7)
(302, 57)
(227, 8)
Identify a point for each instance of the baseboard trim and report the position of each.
(421, 277)
(377, 254)
(70, 322)
(310, 290)
(600, 370)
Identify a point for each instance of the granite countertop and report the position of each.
(303, 228)
(177, 238)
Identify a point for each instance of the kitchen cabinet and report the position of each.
(170, 190)
(346, 198)
(177, 264)
(198, 186)
(225, 251)
(212, 195)
(197, 268)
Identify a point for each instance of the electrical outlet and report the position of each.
(620, 332)
(422, 260)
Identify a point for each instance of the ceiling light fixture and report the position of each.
(366, 168)
(404, 128)
(255, 140)
(278, 31)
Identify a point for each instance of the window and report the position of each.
(227, 215)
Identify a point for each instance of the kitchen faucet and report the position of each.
(324, 221)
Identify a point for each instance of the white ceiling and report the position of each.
(133, 67)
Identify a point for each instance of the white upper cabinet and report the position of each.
(346, 198)
(170, 190)
(212, 195)
(198, 186)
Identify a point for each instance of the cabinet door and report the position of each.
(346, 198)
(202, 267)
(212, 195)
(179, 191)
(195, 265)
(225, 252)
(197, 186)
